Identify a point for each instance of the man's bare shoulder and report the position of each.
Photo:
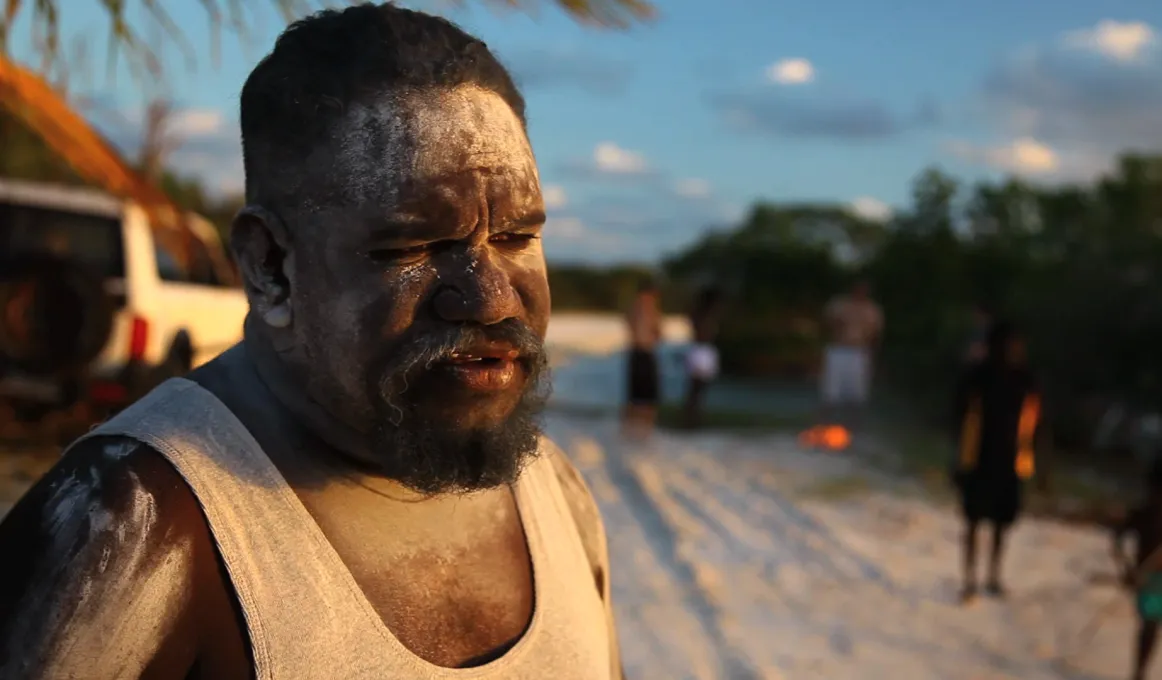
(107, 481)
(99, 564)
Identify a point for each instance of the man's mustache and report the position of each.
(414, 354)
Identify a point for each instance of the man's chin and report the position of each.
(454, 456)
(445, 437)
(465, 417)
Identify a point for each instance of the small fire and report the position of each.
(830, 437)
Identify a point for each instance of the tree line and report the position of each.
(1076, 266)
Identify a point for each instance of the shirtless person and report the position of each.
(644, 322)
(855, 324)
(359, 489)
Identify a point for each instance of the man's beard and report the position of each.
(430, 454)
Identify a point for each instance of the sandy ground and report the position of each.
(740, 557)
(747, 557)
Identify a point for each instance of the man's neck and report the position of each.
(289, 390)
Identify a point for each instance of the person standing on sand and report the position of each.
(977, 346)
(854, 323)
(1143, 573)
(997, 412)
(644, 323)
(702, 358)
(359, 490)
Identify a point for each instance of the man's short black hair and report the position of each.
(325, 63)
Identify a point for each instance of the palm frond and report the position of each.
(231, 16)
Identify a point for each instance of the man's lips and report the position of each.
(492, 368)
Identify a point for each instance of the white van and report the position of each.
(166, 319)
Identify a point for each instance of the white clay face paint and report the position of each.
(433, 135)
(483, 129)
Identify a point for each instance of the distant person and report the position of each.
(645, 331)
(977, 346)
(1144, 572)
(702, 359)
(854, 323)
(997, 412)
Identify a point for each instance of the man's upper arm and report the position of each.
(591, 528)
(97, 573)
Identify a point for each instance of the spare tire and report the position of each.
(55, 316)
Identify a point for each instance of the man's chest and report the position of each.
(452, 586)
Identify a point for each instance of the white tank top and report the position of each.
(307, 618)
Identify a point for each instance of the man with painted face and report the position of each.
(359, 489)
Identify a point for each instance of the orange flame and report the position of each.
(830, 437)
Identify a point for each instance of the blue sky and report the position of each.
(647, 137)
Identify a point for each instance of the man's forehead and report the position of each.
(428, 135)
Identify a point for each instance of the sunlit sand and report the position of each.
(735, 557)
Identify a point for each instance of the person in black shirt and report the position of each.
(1144, 571)
(977, 346)
(997, 411)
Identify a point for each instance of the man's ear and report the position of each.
(261, 245)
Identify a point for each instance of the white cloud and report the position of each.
(610, 158)
(205, 142)
(555, 196)
(730, 213)
(566, 228)
(196, 122)
(221, 174)
(794, 71)
(1078, 102)
(580, 240)
(871, 208)
(1025, 156)
(1125, 42)
(692, 188)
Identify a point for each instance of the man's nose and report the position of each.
(480, 292)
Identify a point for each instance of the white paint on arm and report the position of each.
(107, 589)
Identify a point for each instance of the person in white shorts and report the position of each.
(855, 324)
(702, 357)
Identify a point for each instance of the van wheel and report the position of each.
(55, 316)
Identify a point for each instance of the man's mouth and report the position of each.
(485, 369)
